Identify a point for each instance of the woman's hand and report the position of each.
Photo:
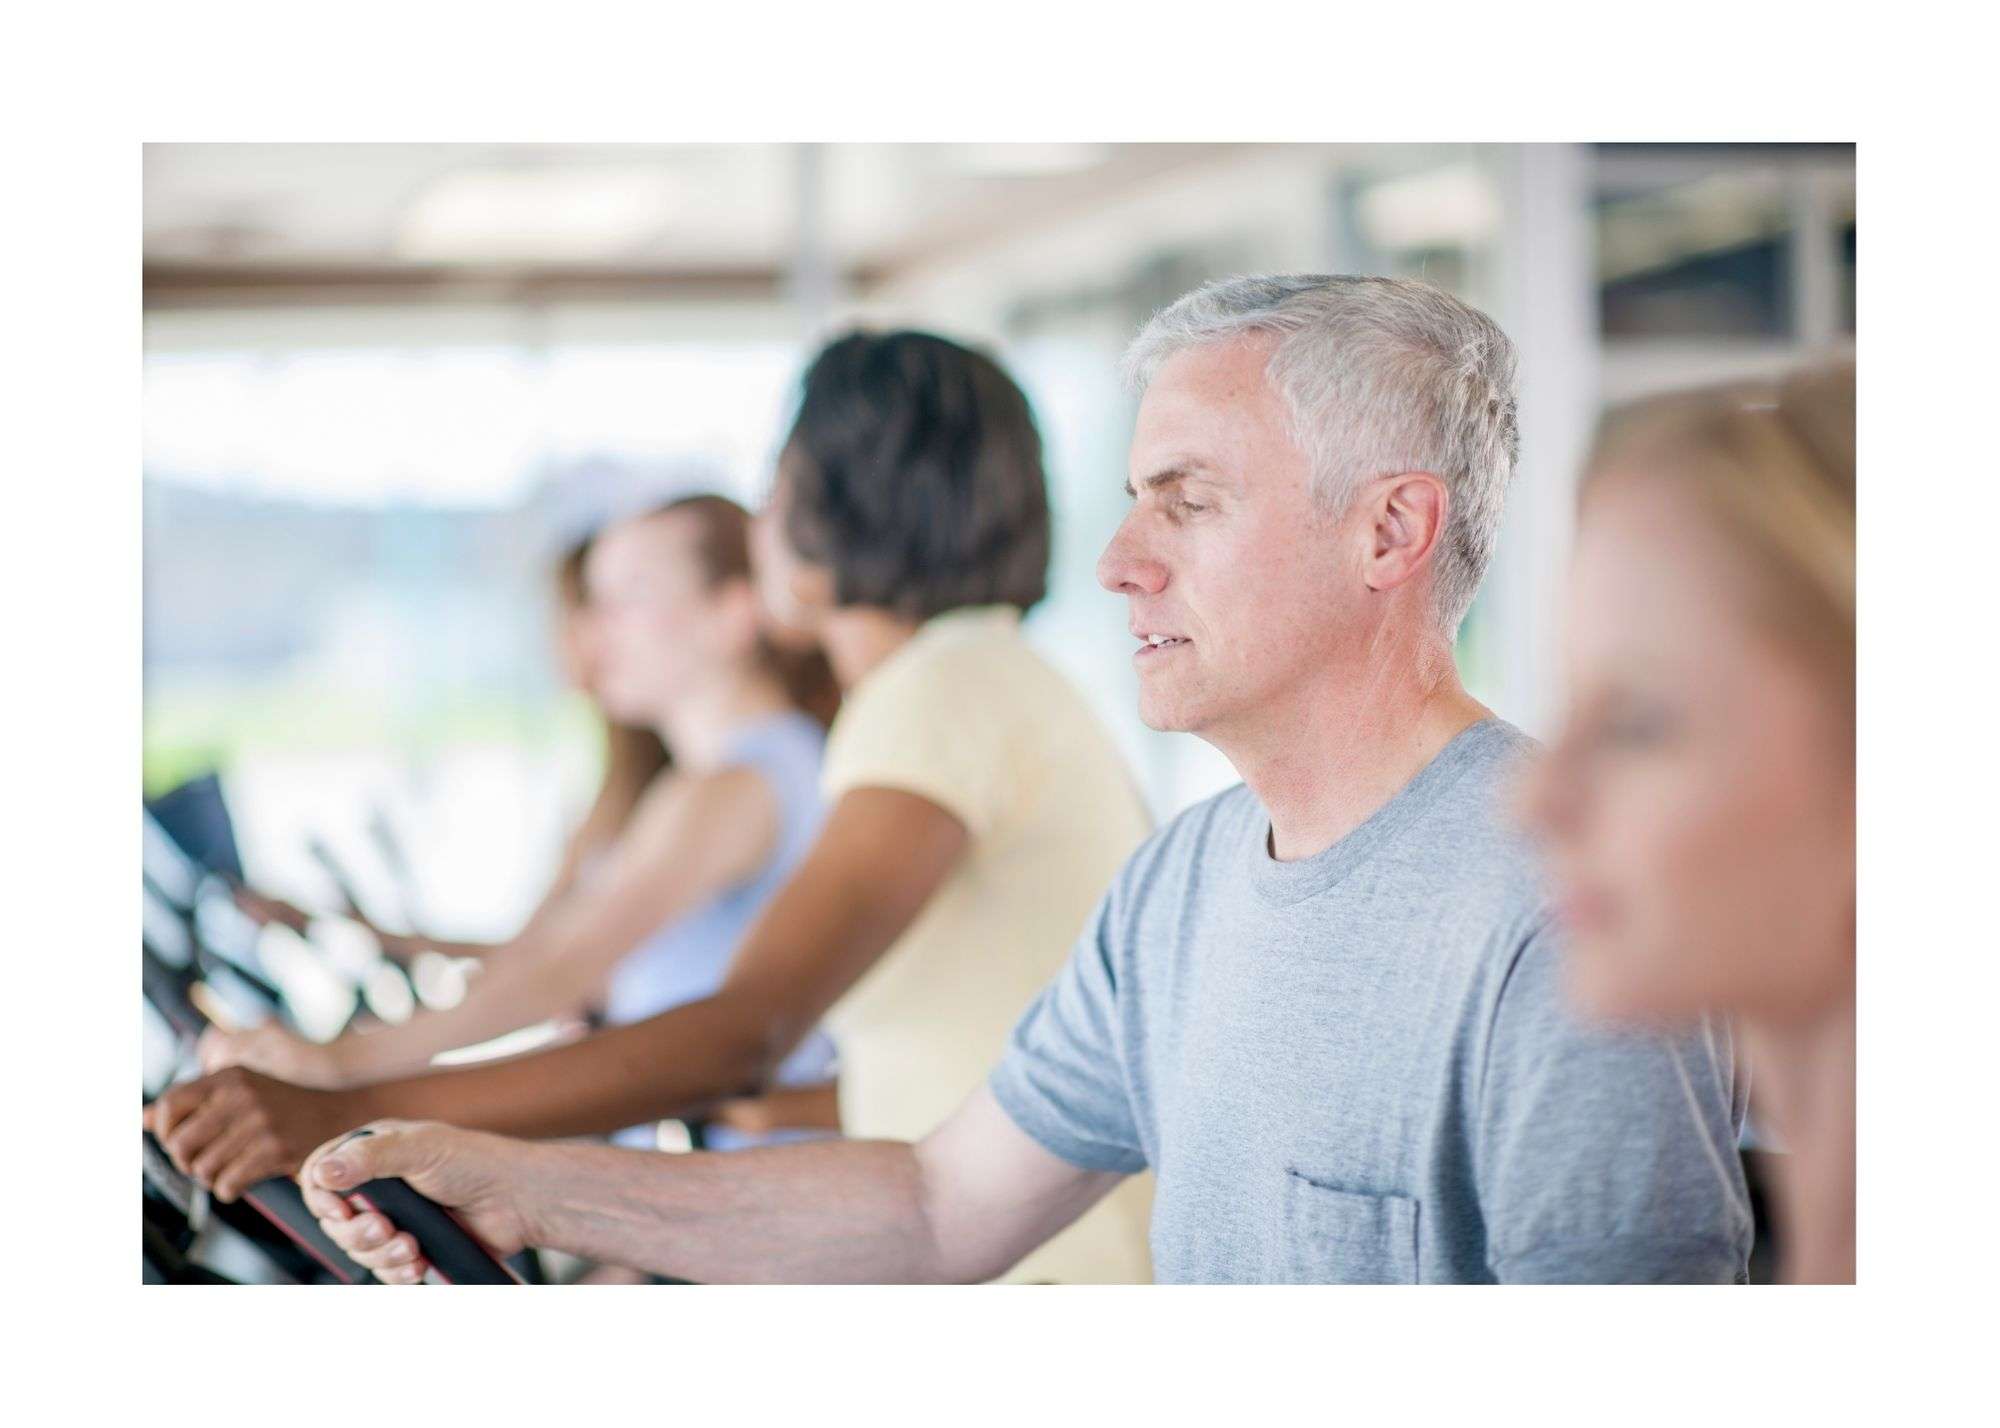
(468, 1173)
(786, 1108)
(275, 1052)
(233, 1128)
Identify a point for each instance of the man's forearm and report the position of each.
(839, 1212)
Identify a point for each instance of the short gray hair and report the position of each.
(1381, 376)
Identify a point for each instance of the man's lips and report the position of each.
(1153, 646)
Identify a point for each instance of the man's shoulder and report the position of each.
(1196, 835)
(1471, 828)
(1225, 817)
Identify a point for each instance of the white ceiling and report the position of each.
(652, 207)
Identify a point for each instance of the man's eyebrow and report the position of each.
(1167, 476)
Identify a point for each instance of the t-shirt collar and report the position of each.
(1288, 882)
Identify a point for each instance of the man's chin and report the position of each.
(1163, 718)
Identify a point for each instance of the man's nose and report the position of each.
(1126, 568)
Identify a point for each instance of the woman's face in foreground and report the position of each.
(1698, 809)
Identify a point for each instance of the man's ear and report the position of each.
(1408, 514)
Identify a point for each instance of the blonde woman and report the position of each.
(1698, 809)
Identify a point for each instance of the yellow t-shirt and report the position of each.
(969, 717)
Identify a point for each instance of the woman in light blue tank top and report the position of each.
(684, 961)
(653, 918)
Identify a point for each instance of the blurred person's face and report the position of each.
(1224, 551)
(1698, 810)
(660, 630)
(793, 595)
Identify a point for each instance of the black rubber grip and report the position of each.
(280, 1201)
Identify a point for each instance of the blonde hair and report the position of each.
(1773, 464)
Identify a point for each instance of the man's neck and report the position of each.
(858, 638)
(1331, 756)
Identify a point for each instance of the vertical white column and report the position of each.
(1547, 302)
(813, 281)
(1815, 262)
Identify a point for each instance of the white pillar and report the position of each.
(1547, 302)
(1815, 260)
(813, 281)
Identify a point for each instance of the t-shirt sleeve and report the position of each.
(1062, 1078)
(1605, 1156)
(926, 728)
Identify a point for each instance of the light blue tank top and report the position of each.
(684, 960)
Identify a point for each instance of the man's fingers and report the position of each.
(354, 1160)
(399, 1263)
(369, 1239)
(396, 1261)
(400, 1257)
(345, 1233)
(393, 1148)
(369, 1231)
(328, 1208)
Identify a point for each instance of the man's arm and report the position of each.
(880, 858)
(963, 1205)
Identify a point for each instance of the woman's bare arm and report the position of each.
(692, 840)
(880, 857)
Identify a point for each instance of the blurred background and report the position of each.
(385, 384)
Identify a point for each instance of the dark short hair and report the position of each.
(914, 474)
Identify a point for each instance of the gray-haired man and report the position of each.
(1322, 1006)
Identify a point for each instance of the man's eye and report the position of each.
(1188, 508)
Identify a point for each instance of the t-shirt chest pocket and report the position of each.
(1331, 1236)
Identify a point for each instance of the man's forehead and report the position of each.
(1189, 422)
(1209, 412)
(1215, 385)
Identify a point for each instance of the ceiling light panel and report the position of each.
(541, 214)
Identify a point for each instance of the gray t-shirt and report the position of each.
(1360, 1068)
